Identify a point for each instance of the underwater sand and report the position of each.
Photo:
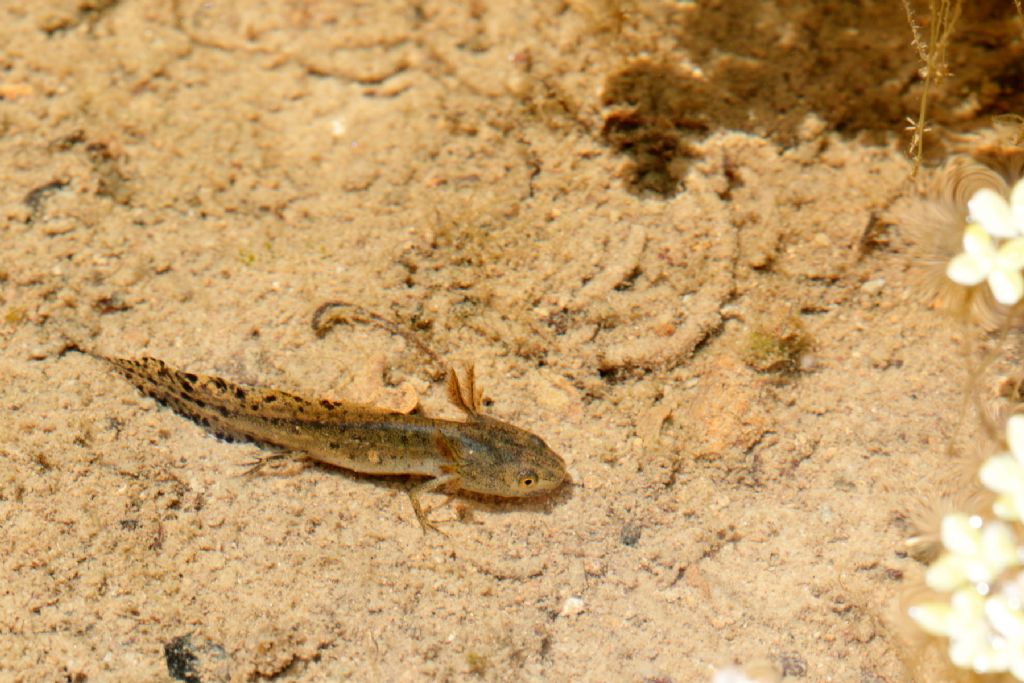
(598, 212)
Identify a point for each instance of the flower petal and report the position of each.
(960, 534)
(932, 617)
(992, 211)
(1009, 507)
(946, 573)
(968, 606)
(1005, 617)
(1002, 473)
(991, 659)
(1017, 665)
(1017, 205)
(1011, 254)
(966, 270)
(1015, 436)
(978, 242)
(1007, 286)
(963, 652)
(968, 630)
(998, 546)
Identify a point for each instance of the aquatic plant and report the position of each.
(977, 581)
(993, 245)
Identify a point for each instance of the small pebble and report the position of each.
(572, 607)
(873, 286)
(630, 534)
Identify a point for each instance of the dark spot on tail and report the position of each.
(334, 445)
(188, 407)
(220, 384)
(270, 398)
(327, 404)
(190, 377)
(240, 393)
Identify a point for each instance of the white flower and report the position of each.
(982, 613)
(1004, 473)
(993, 245)
(982, 617)
(998, 217)
(986, 634)
(984, 260)
(977, 553)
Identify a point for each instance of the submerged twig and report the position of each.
(333, 312)
(944, 15)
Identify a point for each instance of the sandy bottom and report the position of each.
(664, 234)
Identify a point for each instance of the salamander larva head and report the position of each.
(510, 462)
(539, 471)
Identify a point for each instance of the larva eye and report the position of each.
(527, 479)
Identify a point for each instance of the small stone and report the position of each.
(664, 329)
(572, 607)
(14, 91)
(811, 127)
(630, 534)
(873, 286)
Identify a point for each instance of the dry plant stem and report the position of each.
(944, 15)
(970, 396)
(974, 375)
(353, 313)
